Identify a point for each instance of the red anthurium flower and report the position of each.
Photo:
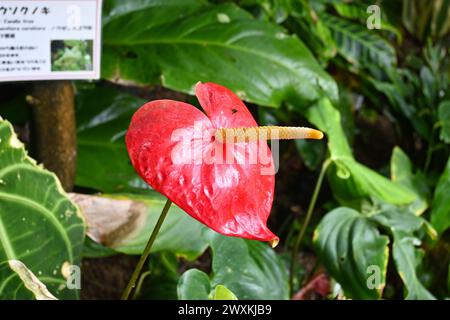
(186, 155)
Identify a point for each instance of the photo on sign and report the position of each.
(71, 55)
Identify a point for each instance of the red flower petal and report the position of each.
(233, 198)
(223, 107)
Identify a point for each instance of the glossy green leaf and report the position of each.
(352, 249)
(125, 222)
(103, 116)
(93, 249)
(180, 233)
(218, 43)
(346, 106)
(402, 173)
(328, 119)
(250, 269)
(407, 257)
(403, 226)
(241, 269)
(116, 12)
(396, 218)
(221, 292)
(37, 220)
(194, 285)
(349, 179)
(358, 46)
(444, 118)
(440, 211)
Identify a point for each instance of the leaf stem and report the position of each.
(429, 151)
(140, 282)
(137, 271)
(301, 234)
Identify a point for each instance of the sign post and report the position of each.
(54, 128)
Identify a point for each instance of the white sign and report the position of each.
(50, 39)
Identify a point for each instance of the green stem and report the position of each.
(429, 152)
(137, 271)
(299, 238)
(140, 283)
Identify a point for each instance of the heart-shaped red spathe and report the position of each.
(233, 197)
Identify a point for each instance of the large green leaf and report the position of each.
(351, 248)
(402, 173)
(444, 118)
(250, 269)
(349, 179)
(401, 219)
(103, 116)
(440, 211)
(358, 45)
(39, 225)
(93, 249)
(221, 292)
(124, 223)
(328, 119)
(407, 258)
(194, 285)
(159, 11)
(403, 226)
(218, 43)
(336, 235)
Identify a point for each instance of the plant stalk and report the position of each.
(54, 137)
(137, 271)
(309, 213)
(429, 152)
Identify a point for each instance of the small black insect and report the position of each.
(233, 111)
